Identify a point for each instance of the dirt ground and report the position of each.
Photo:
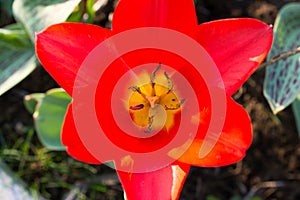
(271, 169)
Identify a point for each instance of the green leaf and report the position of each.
(15, 65)
(37, 15)
(296, 110)
(76, 15)
(31, 101)
(49, 117)
(212, 197)
(236, 197)
(111, 164)
(17, 57)
(79, 16)
(90, 11)
(282, 80)
(15, 37)
(255, 198)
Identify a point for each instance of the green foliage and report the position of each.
(44, 169)
(36, 15)
(236, 197)
(296, 110)
(49, 111)
(31, 101)
(84, 13)
(212, 197)
(282, 80)
(14, 36)
(17, 57)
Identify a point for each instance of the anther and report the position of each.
(153, 74)
(170, 82)
(149, 130)
(135, 89)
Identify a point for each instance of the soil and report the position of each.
(271, 169)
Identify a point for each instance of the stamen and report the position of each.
(153, 74)
(137, 107)
(155, 103)
(152, 79)
(170, 82)
(135, 89)
(149, 130)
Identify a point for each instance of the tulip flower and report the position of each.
(149, 84)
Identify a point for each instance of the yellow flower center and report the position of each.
(154, 105)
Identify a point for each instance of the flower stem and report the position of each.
(281, 57)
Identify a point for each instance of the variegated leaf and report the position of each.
(282, 80)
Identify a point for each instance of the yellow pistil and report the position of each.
(152, 100)
(153, 105)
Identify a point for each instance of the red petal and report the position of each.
(237, 46)
(232, 144)
(70, 138)
(61, 49)
(174, 14)
(164, 184)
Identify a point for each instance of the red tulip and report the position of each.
(159, 80)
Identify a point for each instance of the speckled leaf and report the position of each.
(282, 80)
(36, 15)
(296, 110)
(49, 116)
